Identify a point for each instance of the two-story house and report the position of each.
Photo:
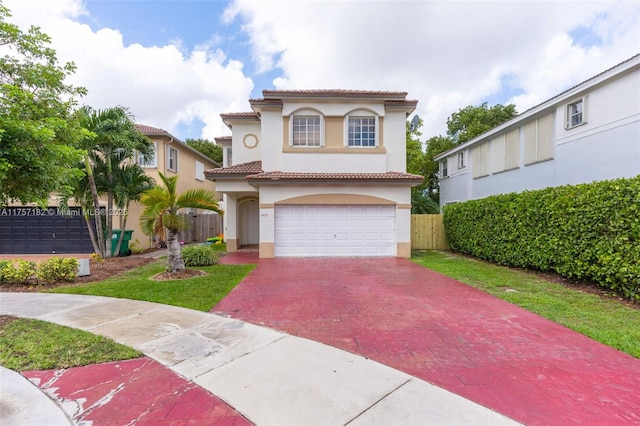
(588, 133)
(172, 157)
(32, 229)
(318, 173)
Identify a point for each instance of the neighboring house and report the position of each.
(588, 133)
(31, 229)
(172, 157)
(318, 173)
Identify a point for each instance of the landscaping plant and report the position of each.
(200, 255)
(586, 232)
(57, 269)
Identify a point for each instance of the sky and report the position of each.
(179, 64)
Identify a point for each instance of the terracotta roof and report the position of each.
(148, 130)
(223, 138)
(388, 176)
(270, 94)
(237, 170)
(241, 115)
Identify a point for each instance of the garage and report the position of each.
(34, 230)
(336, 231)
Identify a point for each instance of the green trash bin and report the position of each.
(124, 247)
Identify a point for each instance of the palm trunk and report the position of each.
(109, 207)
(176, 263)
(96, 205)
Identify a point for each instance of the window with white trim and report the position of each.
(306, 130)
(199, 171)
(362, 131)
(461, 162)
(152, 160)
(172, 159)
(444, 170)
(575, 113)
(229, 157)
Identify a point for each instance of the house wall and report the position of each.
(606, 146)
(243, 132)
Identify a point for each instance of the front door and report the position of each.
(249, 223)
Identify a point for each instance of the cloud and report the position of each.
(163, 86)
(445, 54)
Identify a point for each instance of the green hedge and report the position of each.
(586, 231)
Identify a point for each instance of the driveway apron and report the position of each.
(430, 326)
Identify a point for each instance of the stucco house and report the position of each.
(172, 157)
(318, 173)
(32, 229)
(588, 133)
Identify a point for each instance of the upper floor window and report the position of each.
(444, 172)
(229, 157)
(151, 160)
(172, 159)
(306, 130)
(575, 113)
(199, 171)
(461, 162)
(361, 131)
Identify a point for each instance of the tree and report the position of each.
(472, 121)
(207, 148)
(417, 163)
(37, 135)
(161, 207)
(111, 138)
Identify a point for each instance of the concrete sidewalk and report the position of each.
(272, 378)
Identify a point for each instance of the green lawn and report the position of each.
(27, 344)
(607, 320)
(199, 293)
(30, 344)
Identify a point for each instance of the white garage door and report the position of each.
(335, 231)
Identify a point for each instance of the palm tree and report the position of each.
(130, 183)
(110, 137)
(162, 204)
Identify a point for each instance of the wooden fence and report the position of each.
(427, 232)
(201, 227)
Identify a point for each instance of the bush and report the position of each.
(58, 269)
(200, 255)
(17, 272)
(587, 231)
(2, 263)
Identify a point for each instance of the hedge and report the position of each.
(587, 231)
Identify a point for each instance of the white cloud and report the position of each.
(445, 54)
(162, 86)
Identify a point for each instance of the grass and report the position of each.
(36, 345)
(199, 293)
(606, 320)
(27, 344)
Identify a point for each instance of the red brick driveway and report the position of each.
(435, 328)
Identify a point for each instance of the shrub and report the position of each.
(200, 255)
(586, 231)
(2, 263)
(17, 272)
(58, 269)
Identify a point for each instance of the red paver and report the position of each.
(139, 391)
(438, 329)
(240, 258)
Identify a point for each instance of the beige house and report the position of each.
(318, 173)
(32, 229)
(172, 157)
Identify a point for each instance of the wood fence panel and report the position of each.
(427, 232)
(201, 227)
